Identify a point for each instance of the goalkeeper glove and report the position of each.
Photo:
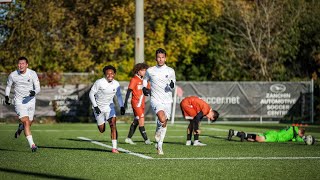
(7, 100)
(97, 110)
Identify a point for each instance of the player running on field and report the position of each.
(195, 109)
(137, 102)
(162, 79)
(291, 133)
(26, 86)
(101, 95)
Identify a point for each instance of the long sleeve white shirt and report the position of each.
(102, 93)
(23, 84)
(160, 78)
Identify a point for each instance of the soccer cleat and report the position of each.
(34, 148)
(160, 151)
(198, 143)
(231, 133)
(188, 143)
(148, 142)
(129, 141)
(115, 151)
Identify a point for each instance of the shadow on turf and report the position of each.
(102, 141)
(6, 149)
(39, 175)
(71, 148)
(216, 137)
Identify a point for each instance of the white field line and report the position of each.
(240, 158)
(197, 158)
(119, 149)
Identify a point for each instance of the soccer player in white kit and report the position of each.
(101, 95)
(26, 86)
(162, 79)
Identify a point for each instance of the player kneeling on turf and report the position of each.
(194, 109)
(291, 133)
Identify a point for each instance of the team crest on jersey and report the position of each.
(28, 80)
(114, 90)
(167, 76)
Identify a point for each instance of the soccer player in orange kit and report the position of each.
(137, 102)
(194, 109)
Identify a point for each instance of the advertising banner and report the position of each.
(230, 99)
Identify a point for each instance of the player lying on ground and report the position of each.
(137, 102)
(195, 109)
(291, 133)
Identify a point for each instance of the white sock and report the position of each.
(30, 140)
(114, 143)
(160, 144)
(163, 133)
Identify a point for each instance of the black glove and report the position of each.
(32, 93)
(122, 110)
(171, 84)
(146, 91)
(7, 100)
(97, 110)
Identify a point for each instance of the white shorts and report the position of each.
(166, 107)
(24, 110)
(104, 115)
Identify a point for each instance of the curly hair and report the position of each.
(138, 67)
(109, 67)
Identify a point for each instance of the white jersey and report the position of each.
(23, 84)
(160, 78)
(102, 93)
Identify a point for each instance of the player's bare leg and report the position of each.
(114, 134)
(27, 132)
(102, 127)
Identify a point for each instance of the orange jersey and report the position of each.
(136, 85)
(192, 105)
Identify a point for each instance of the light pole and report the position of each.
(139, 39)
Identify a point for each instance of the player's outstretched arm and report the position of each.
(120, 101)
(127, 97)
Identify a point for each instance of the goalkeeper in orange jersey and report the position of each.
(194, 109)
(291, 133)
(137, 102)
